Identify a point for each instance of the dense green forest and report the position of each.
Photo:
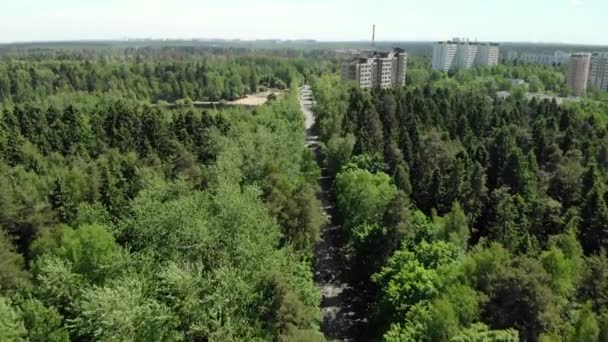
(124, 221)
(469, 217)
(205, 79)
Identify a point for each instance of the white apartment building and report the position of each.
(444, 54)
(537, 58)
(488, 54)
(598, 71)
(561, 57)
(557, 58)
(377, 69)
(512, 54)
(464, 54)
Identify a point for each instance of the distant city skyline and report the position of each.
(547, 21)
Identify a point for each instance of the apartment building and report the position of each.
(360, 71)
(561, 57)
(512, 55)
(444, 54)
(464, 54)
(578, 73)
(598, 71)
(399, 69)
(377, 69)
(544, 59)
(488, 54)
(557, 58)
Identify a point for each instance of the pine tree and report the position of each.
(477, 197)
(586, 328)
(402, 179)
(455, 228)
(62, 203)
(594, 213)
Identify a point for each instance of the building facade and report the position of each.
(488, 54)
(598, 71)
(359, 71)
(578, 73)
(444, 54)
(537, 58)
(377, 69)
(464, 54)
(561, 58)
(557, 58)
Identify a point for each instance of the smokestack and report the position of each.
(374, 36)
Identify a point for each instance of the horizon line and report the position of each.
(310, 40)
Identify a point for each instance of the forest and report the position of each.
(153, 81)
(470, 217)
(466, 216)
(126, 221)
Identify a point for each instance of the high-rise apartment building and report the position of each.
(488, 54)
(466, 55)
(598, 71)
(377, 69)
(360, 71)
(578, 73)
(463, 54)
(557, 58)
(537, 58)
(561, 58)
(444, 54)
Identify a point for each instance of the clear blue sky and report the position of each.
(569, 21)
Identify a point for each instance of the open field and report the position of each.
(256, 99)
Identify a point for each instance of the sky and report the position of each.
(558, 21)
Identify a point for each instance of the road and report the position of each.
(340, 322)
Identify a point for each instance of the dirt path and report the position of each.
(339, 316)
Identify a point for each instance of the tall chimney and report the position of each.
(374, 36)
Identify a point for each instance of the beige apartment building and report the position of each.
(578, 73)
(377, 69)
(464, 54)
(360, 71)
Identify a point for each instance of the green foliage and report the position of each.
(479, 170)
(594, 211)
(465, 301)
(12, 274)
(586, 328)
(332, 102)
(55, 284)
(42, 323)
(455, 227)
(11, 324)
(188, 224)
(410, 277)
(520, 298)
(594, 285)
(363, 196)
(90, 250)
(563, 261)
(169, 79)
(121, 310)
(480, 333)
(338, 152)
(402, 179)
